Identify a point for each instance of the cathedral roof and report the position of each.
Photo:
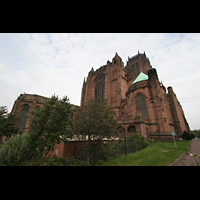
(141, 77)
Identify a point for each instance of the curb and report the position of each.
(181, 155)
(177, 159)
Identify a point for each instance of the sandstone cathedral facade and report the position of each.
(140, 101)
(138, 98)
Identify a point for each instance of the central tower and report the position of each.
(135, 65)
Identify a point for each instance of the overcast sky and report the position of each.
(44, 64)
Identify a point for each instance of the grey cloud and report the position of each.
(57, 63)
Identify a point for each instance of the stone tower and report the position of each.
(135, 94)
(108, 82)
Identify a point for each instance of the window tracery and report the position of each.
(23, 116)
(100, 88)
(140, 102)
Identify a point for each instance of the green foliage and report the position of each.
(197, 163)
(152, 156)
(114, 149)
(8, 123)
(95, 120)
(51, 124)
(192, 164)
(187, 136)
(92, 123)
(139, 140)
(102, 152)
(192, 135)
(196, 133)
(16, 150)
(54, 161)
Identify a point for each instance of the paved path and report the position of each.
(188, 159)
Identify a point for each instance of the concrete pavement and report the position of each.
(188, 159)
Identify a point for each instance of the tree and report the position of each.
(15, 150)
(8, 123)
(196, 132)
(94, 122)
(51, 124)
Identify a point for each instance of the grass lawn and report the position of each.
(152, 156)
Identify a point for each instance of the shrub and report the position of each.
(54, 161)
(16, 150)
(187, 136)
(138, 139)
(193, 136)
(102, 152)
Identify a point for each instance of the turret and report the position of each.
(170, 90)
(116, 59)
(152, 73)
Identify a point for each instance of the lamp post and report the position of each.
(125, 136)
(147, 135)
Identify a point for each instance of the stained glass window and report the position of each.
(140, 102)
(23, 116)
(144, 110)
(100, 88)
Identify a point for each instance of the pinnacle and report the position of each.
(92, 69)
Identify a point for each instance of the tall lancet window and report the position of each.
(23, 116)
(100, 88)
(137, 69)
(133, 68)
(140, 102)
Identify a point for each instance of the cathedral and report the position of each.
(141, 102)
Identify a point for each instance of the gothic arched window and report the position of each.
(23, 116)
(140, 102)
(137, 69)
(133, 68)
(100, 88)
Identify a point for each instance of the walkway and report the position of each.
(188, 159)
